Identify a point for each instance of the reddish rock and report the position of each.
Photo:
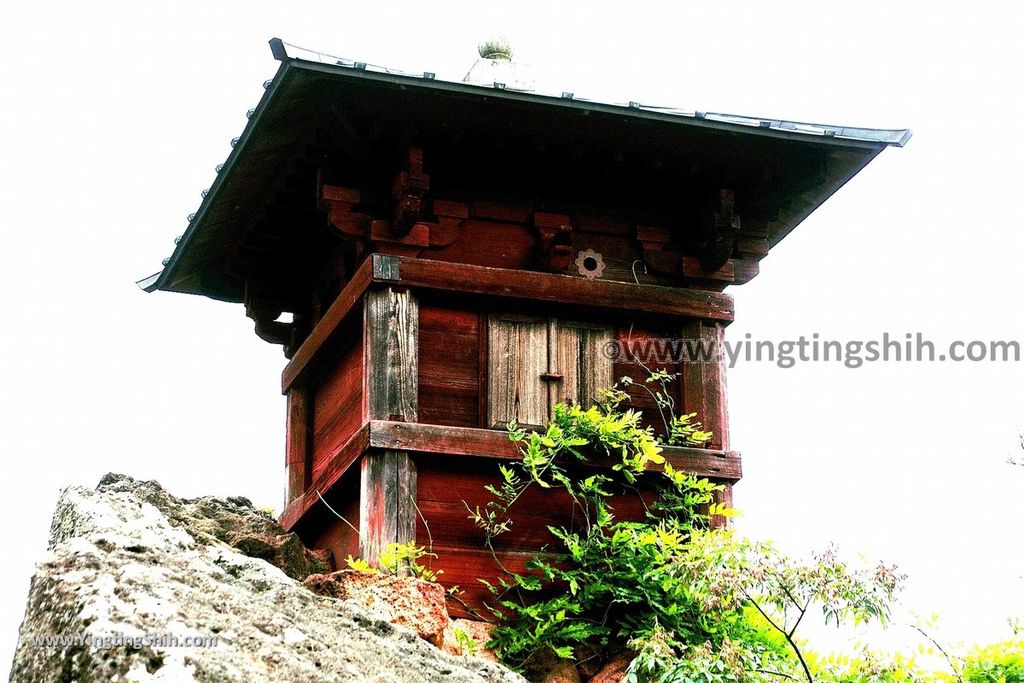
(478, 631)
(561, 671)
(325, 558)
(590, 660)
(404, 601)
(614, 671)
(547, 667)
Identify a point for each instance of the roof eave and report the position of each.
(862, 140)
(164, 279)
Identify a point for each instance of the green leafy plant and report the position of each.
(398, 558)
(360, 565)
(867, 666)
(996, 663)
(1000, 662)
(617, 580)
(688, 603)
(726, 570)
(467, 645)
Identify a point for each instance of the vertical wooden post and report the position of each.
(704, 391)
(298, 458)
(703, 378)
(723, 497)
(387, 496)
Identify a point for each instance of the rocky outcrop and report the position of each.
(141, 586)
(420, 606)
(404, 601)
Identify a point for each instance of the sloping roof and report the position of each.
(293, 92)
(895, 137)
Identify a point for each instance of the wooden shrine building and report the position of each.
(454, 256)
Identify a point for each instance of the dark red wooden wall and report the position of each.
(338, 405)
(449, 366)
(447, 485)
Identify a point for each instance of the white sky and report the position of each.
(113, 116)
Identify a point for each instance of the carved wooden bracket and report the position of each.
(719, 228)
(409, 229)
(662, 258)
(263, 306)
(707, 258)
(654, 240)
(408, 193)
(340, 204)
(554, 246)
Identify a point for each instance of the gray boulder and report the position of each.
(138, 585)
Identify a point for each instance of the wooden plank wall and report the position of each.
(338, 406)
(446, 486)
(517, 359)
(449, 366)
(579, 353)
(632, 340)
(322, 529)
(453, 377)
(703, 383)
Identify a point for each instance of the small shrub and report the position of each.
(690, 603)
(396, 558)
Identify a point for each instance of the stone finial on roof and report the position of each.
(495, 48)
(496, 69)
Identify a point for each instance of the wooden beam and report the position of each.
(440, 440)
(340, 462)
(494, 443)
(723, 497)
(340, 311)
(565, 289)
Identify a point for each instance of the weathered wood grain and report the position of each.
(591, 295)
(297, 444)
(387, 502)
(703, 379)
(442, 441)
(385, 268)
(338, 464)
(387, 491)
(341, 311)
(579, 354)
(518, 351)
(392, 324)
